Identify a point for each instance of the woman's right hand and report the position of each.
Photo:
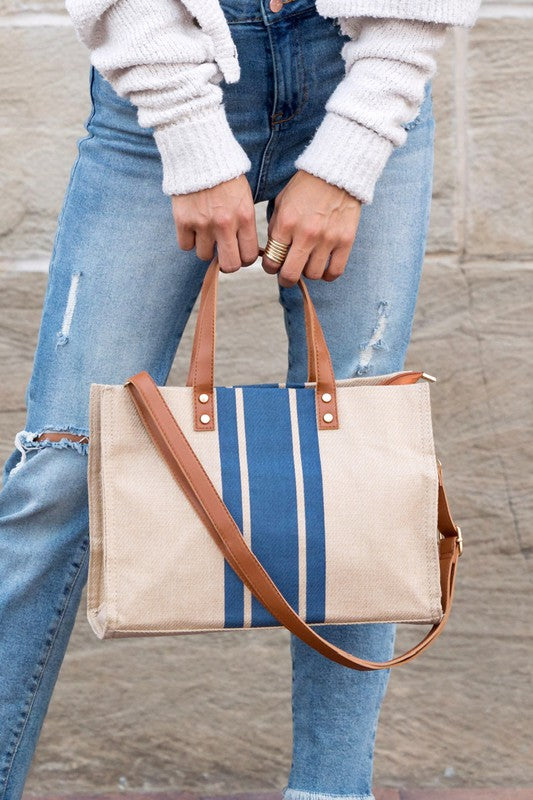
(223, 214)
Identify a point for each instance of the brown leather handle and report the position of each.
(309, 336)
(196, 484)
(202, 365)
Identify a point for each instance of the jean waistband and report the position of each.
(259, 10)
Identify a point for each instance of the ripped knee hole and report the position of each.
(58, 439)
(56, 436)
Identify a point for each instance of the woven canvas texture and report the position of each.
(344, 521)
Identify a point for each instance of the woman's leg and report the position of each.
(118, 296)
(367, 317)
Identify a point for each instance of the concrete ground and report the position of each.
(380, 794)
(211, 714)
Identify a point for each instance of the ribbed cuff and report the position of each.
(452, 12)
(199, 153)
(346, 154)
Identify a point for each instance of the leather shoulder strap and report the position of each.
(196, 484)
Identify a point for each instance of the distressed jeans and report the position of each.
(118, 296)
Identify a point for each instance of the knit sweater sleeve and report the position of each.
(154, 53)
(387, 64)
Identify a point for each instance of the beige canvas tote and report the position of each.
(231, 507)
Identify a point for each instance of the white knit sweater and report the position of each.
(169, 56)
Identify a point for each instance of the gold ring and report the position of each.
(276, 251)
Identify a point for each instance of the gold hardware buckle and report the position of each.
(459, 540)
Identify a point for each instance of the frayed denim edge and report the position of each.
(297, 794)
(25, 440)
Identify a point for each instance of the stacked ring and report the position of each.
(276, 251)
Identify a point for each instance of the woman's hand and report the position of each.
(223, 214)
(319, 221)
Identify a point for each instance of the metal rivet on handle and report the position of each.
(203, 398)
(326, 397)
(328, 417)
(205, 418)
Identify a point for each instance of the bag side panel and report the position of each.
(380, 487)
(95, 581)
(164, 572)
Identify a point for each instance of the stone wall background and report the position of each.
(193, 712)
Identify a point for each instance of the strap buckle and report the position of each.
(459, 540)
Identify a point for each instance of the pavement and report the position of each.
(380, 794)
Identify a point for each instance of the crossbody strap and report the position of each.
(171, 442)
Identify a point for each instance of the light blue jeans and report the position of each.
(118, 296)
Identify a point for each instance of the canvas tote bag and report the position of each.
(236, 507)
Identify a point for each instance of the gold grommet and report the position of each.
(326, 397)
(205, 418)
(328, 417)
(203, 398)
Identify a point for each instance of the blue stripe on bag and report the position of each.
(232, 496)
(271, 477)
(314, 507)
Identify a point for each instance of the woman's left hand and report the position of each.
(319, 221)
